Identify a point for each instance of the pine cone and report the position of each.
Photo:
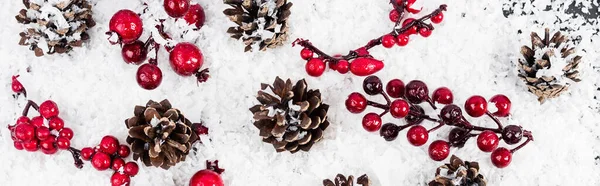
(255, 17)
(465, 174)
(160, 135)
(293, 119)
(340, 180)
(545, 75)
(55, 27)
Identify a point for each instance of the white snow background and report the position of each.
(474, 51)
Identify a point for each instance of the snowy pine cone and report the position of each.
(459, 173)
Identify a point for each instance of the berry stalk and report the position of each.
(28, 106)
(76, 157)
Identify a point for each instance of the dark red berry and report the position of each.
(117, 163)
(412, 118)
(48, 109)
(394, 16)
(417, 135)
(48, 144)
(123, 151)
(411, 30)
(37, 121)
(176, 8)
(443, 95)
(135, 52)
(119, 179)
(502, 104)
(127, 24)
(18, 145)
(56, 123)
(63, 143)
(186, 59)
(451, 114)
(315, 67)
(425, 32)
(458, 137)
(342, 66)
(371, 122)
(501, 157)
(512, 134)
(356, 103)
(416, 92)
(437, 18)
(399, 108)
(109, 144)
(24, 120)
(372, 85)
(25, 132)
(199, 129)
(364, 66)
(306, 53)
(439, 150)
(388, 41)
(395, 88)
(149, 76)
(66, 132)
(131, 168)
(101, 161)
(51, 149)
(402, 39)
(42, 133)
(195, 15)
(206, 178)
(487, 141)
(87, 153)
(31, 145)
(476, 106)
(389, 131)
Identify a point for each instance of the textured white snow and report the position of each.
(474, 51)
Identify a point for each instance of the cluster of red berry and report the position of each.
(359, 61)
(185, 58)
(406, 106)
(109, 154)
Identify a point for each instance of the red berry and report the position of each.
(37, 121)
(176, 8)
(186, 59)
(411, 30)
(66, 132)
(25, 132)
(476, 106)
(412, 10)
(487, 141)
(101, 161)
(48, 143)
(195, 15)
(343, 66)
(306, 53)
(49, 151)
(399, 108)
(331, 65)
(18, 145)
(394, 16)
(439, 150)
(501, 157)
(109, 144)
(364, 66)
(87, 153)
(42, 133)
(119, 179)
(131, 168)
(437, 18)
(206, 178)
(48, 109)
(123, 151)
(388, 41)
(24, 120)
(395, 88)
(417, 135)
(117, 163)
(356, 103)
(31, 145)
(402, 39)
(16, 85)
(315, 67)
(127, 24)
(135, 52)
(56, 124)
(63, 143)
(502, 103)
(371, 122)
(443, 95)
(149, 76)
(200, 129)
(425, 32)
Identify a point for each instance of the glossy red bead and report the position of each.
(195, 16)
(342, 66)
(371, 122)
(501, 157)
(117, 163)
(364, 66)
(394, 16)
(476, 106)
(23, 120)
(402, 39)
(87, 153)
(56, 123)
(123, 151)
(25, 132)
(399, 108)
(206, 178)
(37, 121)
(101, 161)
(186, 59)
(176, 8)
(395, 88)
(306, 53)
(149, 76)
(134, 53)
(127, 24)
(356, 103)
(487, 141)
(425, 32)
(42, 133)
(437, 18)
(502, 104)
(63, 143)
(131, 168)
(417, 135)
(109, 144)
(315, 67)
(48, 109)
(439, 150)
(388, 41)
(31, 145)
(66, 132)
(443, 95)
(411, 30)
(120, 179)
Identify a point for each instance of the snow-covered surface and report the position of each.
(474, 51)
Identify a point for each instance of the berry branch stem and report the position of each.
(28, 106)
(529, 137)
(76, 157)
(495, 119)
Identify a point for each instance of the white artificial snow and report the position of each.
(473, 51)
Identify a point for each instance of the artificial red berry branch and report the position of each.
(359, 61)
(406, 106)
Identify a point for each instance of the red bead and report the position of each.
(195, 15)
(501, 157)
(394, 16)
(186, 59)
(502, 103)
(402, 39)
(63, 143)
(56, 123)
(356, 103)
(176, 8)
(66, 133)
(206, 178)
(49, 151)
(31, 146)
(16, 86)
(437, 18)
(371, 122)
(315, 67)
(87, 153)
(364, 66)
(425, 32)
(101, 161)
(127, 24)
(37, 121)
(48, 109)
(439, 150)
(18, 145)
(343, 66)
(123, 151)
(119, 179)
(149, 76)
(399, 108)
(131, 168)
(487, 141)
(25, 132)
(388, 41)
(200, 129)
(417, 135)
(443, 95)
(24, 120)
(412, 10)
(395, 88)
(117, 163)
(109, 144)
(476, 106)
(42, 133)
(306, 53)
(135, 52)
(411, 30)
